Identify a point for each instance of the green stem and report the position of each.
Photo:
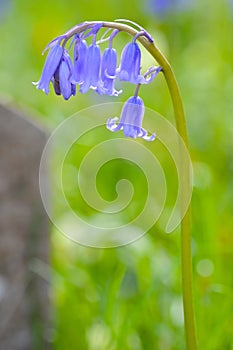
(186, 253)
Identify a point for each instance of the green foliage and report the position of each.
(130, 297)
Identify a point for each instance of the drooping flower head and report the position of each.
(131, 120)
(92, 70)
(89, 69)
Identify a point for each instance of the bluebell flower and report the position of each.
(92, 68)
(52, 62)
(130, 66)
(91, 71)
(108, 73)
(131, 120)
(63, 78)
(80, 57)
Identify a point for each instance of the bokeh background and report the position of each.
(130, 297)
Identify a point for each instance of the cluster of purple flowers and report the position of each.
(90, 69)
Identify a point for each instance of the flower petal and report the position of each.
(149, 138)
(112, 125)
(52, 61)
(92, 69)
(131, 120)
(80, 57)
(64, 79)
(131, 64)
(108, 73)
(56, 83)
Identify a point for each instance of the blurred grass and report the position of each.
(130, 297)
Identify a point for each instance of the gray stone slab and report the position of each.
(24, 248)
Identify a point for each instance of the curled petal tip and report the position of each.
(149, 138)
(112, 124)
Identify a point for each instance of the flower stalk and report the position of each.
(186, 252)
(98, 74)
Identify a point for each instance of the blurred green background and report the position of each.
(130, 297)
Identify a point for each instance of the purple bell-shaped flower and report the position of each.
(130, 66)
(108, 73)
(131, 120)
(92, 68)
(80, 57)
(63, 78)
(52, 62)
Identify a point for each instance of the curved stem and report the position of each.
(186, 253)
